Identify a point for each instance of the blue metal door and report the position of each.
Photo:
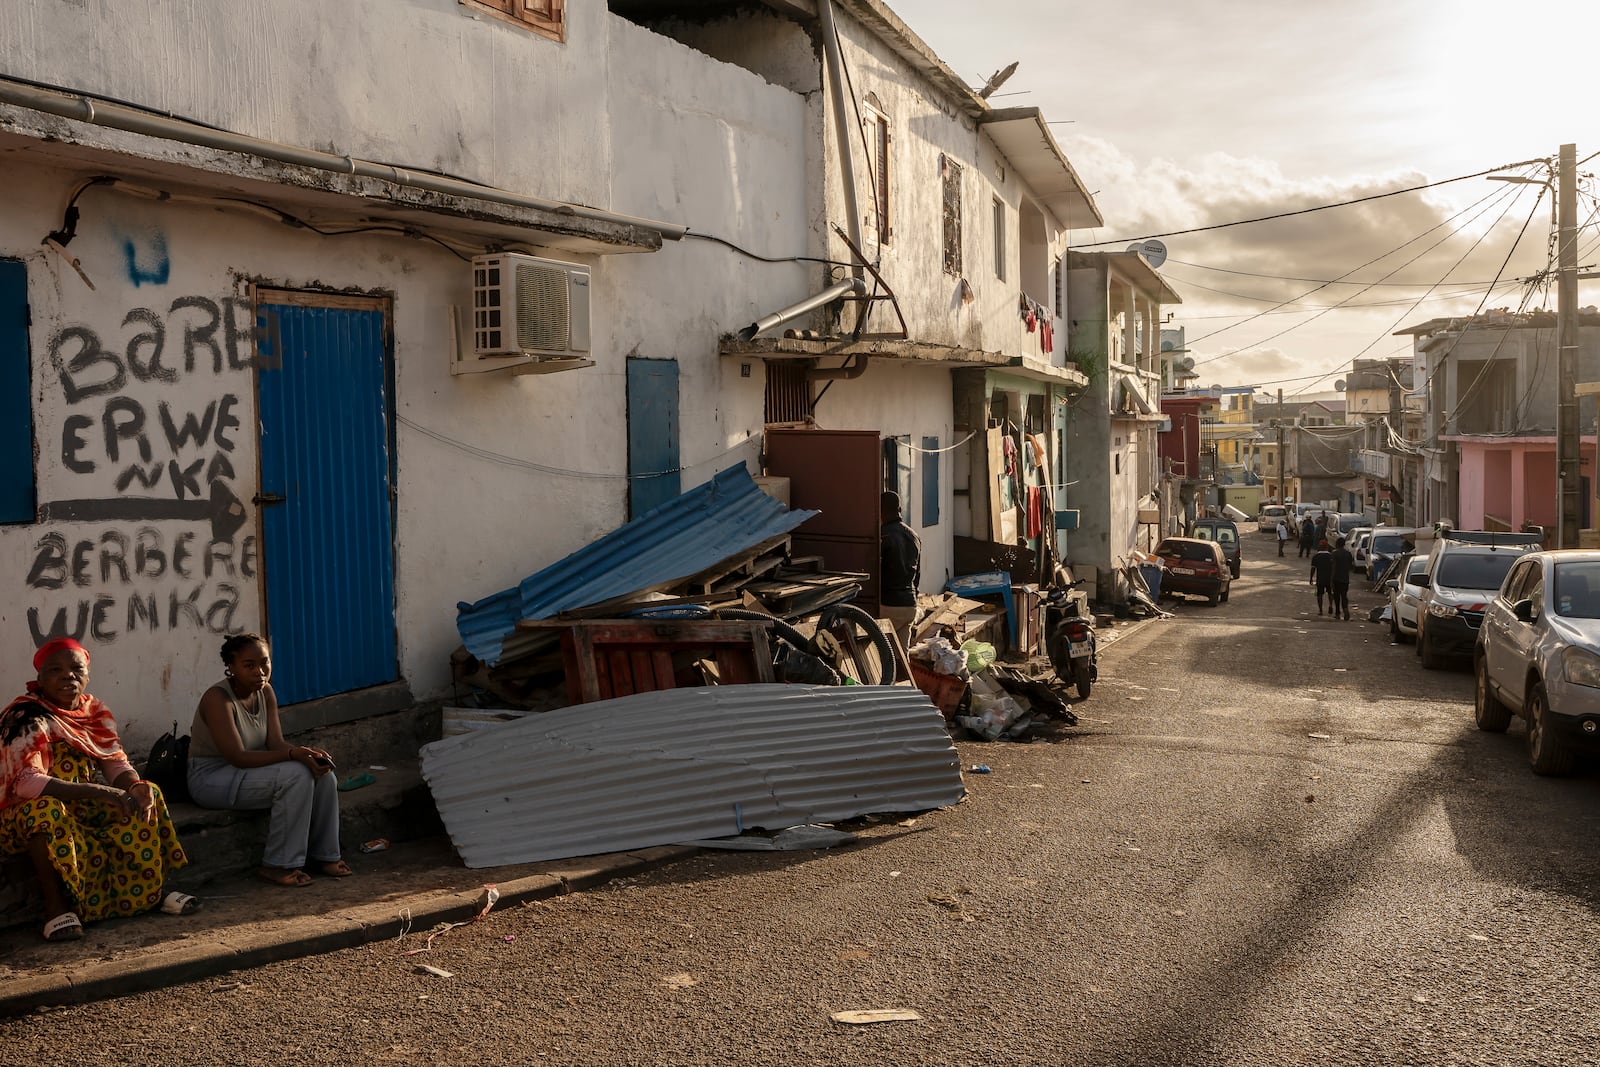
(652, 433)
(327, 518)
(16, 397)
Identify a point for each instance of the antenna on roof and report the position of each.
(997, 79)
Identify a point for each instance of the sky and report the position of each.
(1187, 113)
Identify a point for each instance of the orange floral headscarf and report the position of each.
(30, 724)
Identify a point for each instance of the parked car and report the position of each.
(1356, 542)
(1194, 565)
(1224, 533)
(1538, 656)
(1267, 521)
(1404, 596)
(1387, 545)
(1346, 523)
(1462, 576)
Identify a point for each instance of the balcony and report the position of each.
(1372, 464)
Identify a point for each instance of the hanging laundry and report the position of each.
(1047, 337)
(1035, 512)
(1009, 450)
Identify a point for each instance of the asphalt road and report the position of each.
(1274, 839)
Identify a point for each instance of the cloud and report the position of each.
(1373, 262)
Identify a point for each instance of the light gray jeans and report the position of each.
(305, 807)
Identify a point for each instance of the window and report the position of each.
(16, 397)
(877, 130)
(788, 398)
(930, 481)
(999, 239)
(546, 17)
(950, 177)
(897, 469)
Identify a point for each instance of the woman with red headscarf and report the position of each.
(98, 850)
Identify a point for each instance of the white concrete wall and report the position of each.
(896, 399)
(696, 140)
(429, 83)
(924, 126)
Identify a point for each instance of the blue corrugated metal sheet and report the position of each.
(687, 764)
(686, 535)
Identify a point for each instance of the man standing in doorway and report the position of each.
(901, 568)
(1343, 564)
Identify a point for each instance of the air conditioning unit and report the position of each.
(526, 306)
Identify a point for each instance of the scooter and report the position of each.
(1071, 643)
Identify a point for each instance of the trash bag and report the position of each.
(979, 655)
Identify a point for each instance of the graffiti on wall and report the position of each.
(150, 434)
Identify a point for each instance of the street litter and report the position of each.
(980, 768)
(486, 901)
(377, 844)
(680, 981)
(876, 1015)
(437, 972)
(688, 765)
(356, 781)
(1321, 737)
(793, 839)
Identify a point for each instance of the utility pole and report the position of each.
(1283, 457)
(1568, 479)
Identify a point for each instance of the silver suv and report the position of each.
(1538, 656)
(1463, 573)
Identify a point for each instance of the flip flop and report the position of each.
(290, 879)
(176, 903)
(336, 869)
(64, 927)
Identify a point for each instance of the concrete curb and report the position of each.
(310, 935)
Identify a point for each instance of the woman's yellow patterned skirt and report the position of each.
(112, 864)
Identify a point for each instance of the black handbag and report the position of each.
(168, 765)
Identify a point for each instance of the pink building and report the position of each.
(1507, 483)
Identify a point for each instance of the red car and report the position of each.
(1194, 566)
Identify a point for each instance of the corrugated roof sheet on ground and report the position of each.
(692, 532)
(685, 764)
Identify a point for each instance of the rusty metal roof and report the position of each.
(688, 764)
(693, 531)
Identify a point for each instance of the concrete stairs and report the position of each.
(396, 806)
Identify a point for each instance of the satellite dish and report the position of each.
(1339, 385)
(1186, 363)
(1215, 390)
(1154, 252)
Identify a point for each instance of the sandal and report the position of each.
(292, 879)
(336, 869)
(64, 927)
(176, 903)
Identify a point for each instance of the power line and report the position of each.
(1385, 255)
(1310, 210)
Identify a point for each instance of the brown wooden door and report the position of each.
(840, 474)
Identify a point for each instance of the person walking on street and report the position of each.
(901, 560)
(1343, 564)
(1322, 574)
(1308, 536)
(1283, 535)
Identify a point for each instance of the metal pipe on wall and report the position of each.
(132, 120)
(841, 122)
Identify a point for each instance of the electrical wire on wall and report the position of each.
(562, 472)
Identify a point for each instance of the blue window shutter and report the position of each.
(930, 481)
(17, 501)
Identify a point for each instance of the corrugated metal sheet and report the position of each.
(686, 535)
(686, 764)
